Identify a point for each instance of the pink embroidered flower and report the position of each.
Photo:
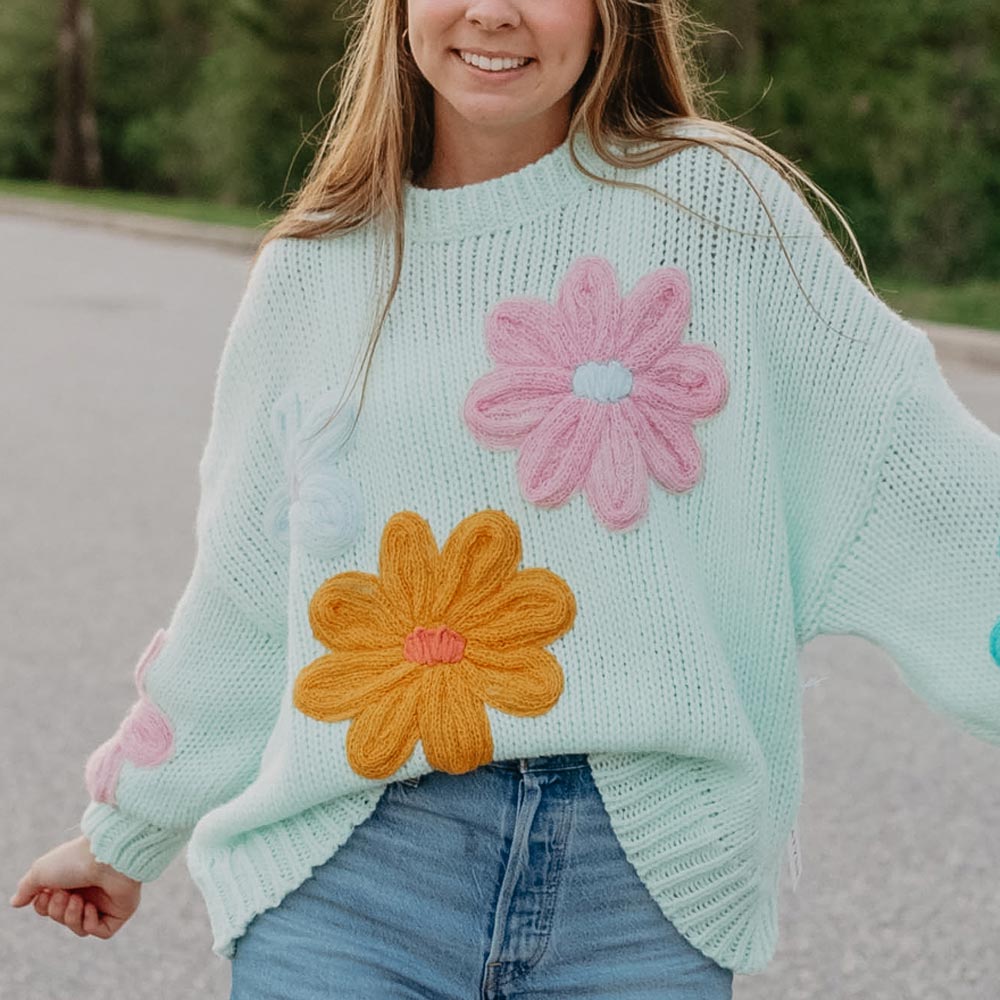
(144, 738)
(597, 391)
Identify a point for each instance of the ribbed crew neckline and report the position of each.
(501, 202)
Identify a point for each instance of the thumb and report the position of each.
(67, 866)
(26, 891)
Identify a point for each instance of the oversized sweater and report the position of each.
(611, 472)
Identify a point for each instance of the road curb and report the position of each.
(963, 345)
(960, 344)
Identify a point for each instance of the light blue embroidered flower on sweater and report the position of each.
(995, 643)
(316, 504)
(995, 632)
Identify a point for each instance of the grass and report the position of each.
(130, 201)
(971, 303)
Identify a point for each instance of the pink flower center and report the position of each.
(433, 645)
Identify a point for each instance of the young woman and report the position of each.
(485, 679)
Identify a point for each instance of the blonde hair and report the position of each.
(645, 79)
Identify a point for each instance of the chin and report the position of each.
(501, 113)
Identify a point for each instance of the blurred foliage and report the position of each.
(148, 55)
(262, 91)
(892, 107)
(208, 98)
(27, 87)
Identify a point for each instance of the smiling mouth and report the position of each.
(505, 66)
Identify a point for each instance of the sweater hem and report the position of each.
(721, 895)
(243, 879)
(715, 890)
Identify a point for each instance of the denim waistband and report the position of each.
(551, 762)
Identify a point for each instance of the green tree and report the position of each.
(893, 108)
(148, 55)
(76, 159)
(261, 94)
(27, 87)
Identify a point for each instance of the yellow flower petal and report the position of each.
(407, 563)
(347, 612)
(336, 686)
(527, 681)
(477, 560)
(396, 640)
(454, 729)
(382, 737)
(532, 609)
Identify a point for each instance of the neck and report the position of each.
(468, 155)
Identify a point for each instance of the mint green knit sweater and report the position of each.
(612, 471)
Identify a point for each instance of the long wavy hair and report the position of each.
(645, 78)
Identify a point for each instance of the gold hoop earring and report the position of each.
(404, 39)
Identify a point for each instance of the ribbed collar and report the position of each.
(501, 202)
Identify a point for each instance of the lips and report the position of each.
(493, 55)
(513, 70)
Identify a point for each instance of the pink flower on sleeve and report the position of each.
(597, 391)
(144, 738)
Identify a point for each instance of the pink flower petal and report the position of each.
(617, 485)
(554, 459)
(146, 736)
(525, 332)
(506, 404)
(590, 305)
(654, 315)
(102, 770)
(150, 653)
(689, 382)
(611, 444)
(668, 444)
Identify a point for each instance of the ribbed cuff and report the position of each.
(130, 846)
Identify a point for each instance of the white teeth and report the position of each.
(491, 64)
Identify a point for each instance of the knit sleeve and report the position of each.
(890, 487)
(833, 358)
(209, 683)
(921, 574)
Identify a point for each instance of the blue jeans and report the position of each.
(503, 883)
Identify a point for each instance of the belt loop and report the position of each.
(524, 764)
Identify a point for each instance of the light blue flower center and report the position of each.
(602, 382)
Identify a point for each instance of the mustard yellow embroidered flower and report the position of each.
(417, 651)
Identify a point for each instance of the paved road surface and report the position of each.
(109, 346)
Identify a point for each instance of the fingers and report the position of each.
(73, 915)
(57, 905)
(92, 921)
(71, 910)
(80, 915)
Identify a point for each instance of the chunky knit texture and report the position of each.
(613, 470)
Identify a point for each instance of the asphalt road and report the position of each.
(109, 346)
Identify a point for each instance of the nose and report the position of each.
(492, 14)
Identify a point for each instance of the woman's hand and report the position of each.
(75, 889)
